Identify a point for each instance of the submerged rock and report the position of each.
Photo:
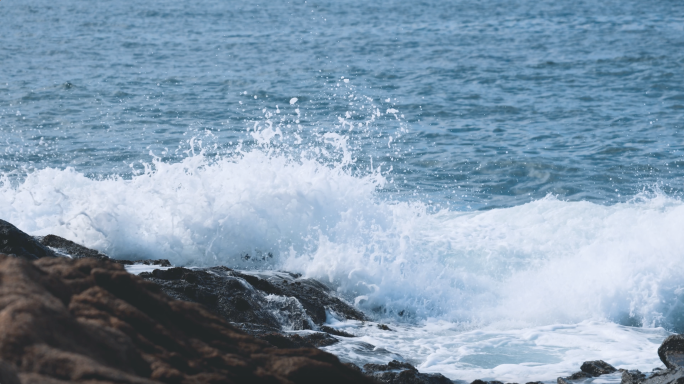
(88, 321)
(15, 242)
(396, 372)
(671, 351)
(588, 370)
(632, 377)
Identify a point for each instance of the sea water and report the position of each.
(499, 182)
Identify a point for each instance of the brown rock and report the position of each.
(89, 321)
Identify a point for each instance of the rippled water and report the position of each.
(472, 172)
(508, 100)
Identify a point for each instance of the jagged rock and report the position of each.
(396, 372)
(334, 331)
(254, 304)
(313, 340)
(78, 251)
(597, 368)
(478, 381)
(671, 351)
(315, 297)
(15, 242)
(588, 370)
(669, 376)
(70, 248)
(89, 321)
(632, 377)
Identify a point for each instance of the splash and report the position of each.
(544, 262)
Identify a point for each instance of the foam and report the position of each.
(545, 262)
(509, 354)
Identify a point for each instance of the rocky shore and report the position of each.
(72, 314)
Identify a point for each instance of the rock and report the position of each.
(313, 340)
(78, 251)
(478, 381)
(70, 248)
(256, 305)
(15, 242)
(670, 376)
(89, 321)
(588, 370)
(671, 351)
(396, 372)
(334, 331)
(632, 377)
(597, 368)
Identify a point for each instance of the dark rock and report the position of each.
(486, 382)
(89, 321)
(671, 351)
(334, 331)
(632, 377)
(670, 376)
(384, 327)
(315, 297)
(396, 372)
(224, 294)
(314, 340)
(15, 242)
(534, 382)
(597, 368)
(254, 304)
(8, 375)
(78, 251)
(70, 248)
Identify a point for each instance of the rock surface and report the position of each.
(89, 321)
(396, 372)
(15, 242)
(671, 351)
(597, 368)
(257, 304)
(588, 370)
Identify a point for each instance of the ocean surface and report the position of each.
(498, 181)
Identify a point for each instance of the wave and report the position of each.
(544, 262)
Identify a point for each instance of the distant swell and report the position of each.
(544, 262)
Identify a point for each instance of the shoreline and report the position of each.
(281, 309)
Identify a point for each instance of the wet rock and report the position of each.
(313, 340)
(384, 327)
(669, 376)
(597, 368)
(13, 241)
(334, 331)
(223, 293)
(315, 297)
(89, 321)
(254, 304)
(671, 351)
(396, 372)
(632, 377)
(78, 251)
(70, 248)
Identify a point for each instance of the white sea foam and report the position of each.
(509, 273)
(544, 262)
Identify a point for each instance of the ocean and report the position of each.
(500, 182)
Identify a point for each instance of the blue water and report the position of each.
(447, 165)
(509, 101)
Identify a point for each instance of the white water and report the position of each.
(504, 274)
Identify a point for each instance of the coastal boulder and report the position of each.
(89, 321)
(671, 351)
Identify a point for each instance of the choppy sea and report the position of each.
(498, 181)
